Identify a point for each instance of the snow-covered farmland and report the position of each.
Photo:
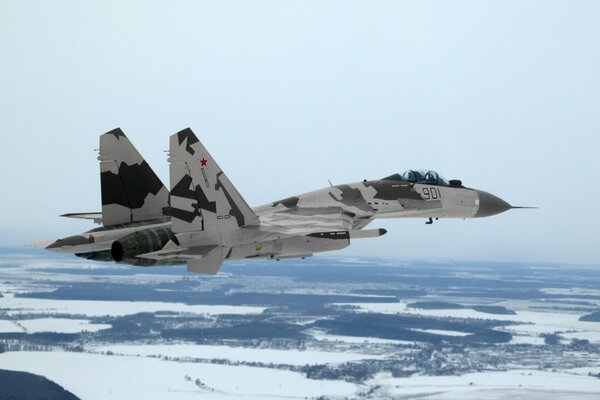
(92, 377)
(292, 357)
(61, 325)
(441, 332)
(515, 384)
(525, 339)
(93, 308)
(9, 327)
(322, 335)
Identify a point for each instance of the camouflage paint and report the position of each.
(208, 220)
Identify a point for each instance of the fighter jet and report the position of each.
(203, 220)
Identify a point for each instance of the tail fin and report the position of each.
(202, 197)
(131, 191)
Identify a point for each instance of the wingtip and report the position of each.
(184, 134)
(117, 133)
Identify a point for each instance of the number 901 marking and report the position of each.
(432, 193)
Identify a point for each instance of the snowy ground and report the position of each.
(121, 377)
(18, 305)
(125, 377)
(141, 371)
(7, 326)
(441, 332)
(322, 335)
(509, 385)
(60, 325)
(292, 357)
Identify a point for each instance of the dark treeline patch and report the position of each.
(252, 330)
(400, 293)
(401, 327)
(499, 310)
(135, 327)
(350, 371)
(435, 305)
(25, 386)
(593, 317)
(197, 328)
(12, 335)
(41, 338)
(124, 292)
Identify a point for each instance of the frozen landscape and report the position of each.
(328, 328)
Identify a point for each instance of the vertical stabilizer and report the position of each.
(131, 191)
(202, 197)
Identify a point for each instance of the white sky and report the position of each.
(504, 95)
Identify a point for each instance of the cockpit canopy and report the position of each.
(420, 176)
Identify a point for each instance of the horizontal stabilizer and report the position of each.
(172, 252)
(96, 217)
(199, 259)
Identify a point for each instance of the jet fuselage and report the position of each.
(362, 202)
(203, 220)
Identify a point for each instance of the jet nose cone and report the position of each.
(490, 205)
(54, 246)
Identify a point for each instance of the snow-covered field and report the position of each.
(92, 308)
(148, 371)
(322, 335)
(527, 339)
(292, 357)
(92, 377)
(509, 385)
(7, 326)
(61, 325)
(441, 332)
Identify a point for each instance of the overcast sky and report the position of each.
(504, 95)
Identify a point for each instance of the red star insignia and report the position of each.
(203, 162)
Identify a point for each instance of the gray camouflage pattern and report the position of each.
(204, 220)
(131, 191)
